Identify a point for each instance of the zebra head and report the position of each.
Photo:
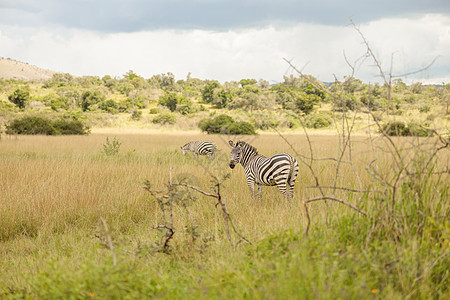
(185, 149)
(236, 153)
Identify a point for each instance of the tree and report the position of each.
(169, 100)
(245, 82)
(172, 100)
(91, 97)
(19, 98)
(305, 102)
(223, 97)
(208, 91)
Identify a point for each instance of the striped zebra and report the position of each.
(200, 148)
(280, 170)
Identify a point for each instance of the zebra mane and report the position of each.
(247, 146)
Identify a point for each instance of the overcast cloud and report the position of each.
(227, 40)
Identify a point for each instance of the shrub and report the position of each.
(424, 109)
(70, 127)
(58, 103)
(111, 148)
(31, 125)
(154, 111)
(216, 124)
(91, 97)
(165, 118)
(240, 128)
(185, 109)
(395, 129)
(136, 115)
(38, 125)
(316, 121)
(129, 104)
(401, 129)
(19, 98)
(417, 130)
(223, 124)
(109, 106)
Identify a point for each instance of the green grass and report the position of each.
(56, 190)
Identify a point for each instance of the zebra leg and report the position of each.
(283, 190)
(259, 191)
(251, 186)
(291, 190)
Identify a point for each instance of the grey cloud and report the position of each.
(139, 15)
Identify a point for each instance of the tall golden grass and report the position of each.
(53, 183)
(63, 185)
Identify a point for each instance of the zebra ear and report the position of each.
(231, 143)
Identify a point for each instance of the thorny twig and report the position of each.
(226, 214)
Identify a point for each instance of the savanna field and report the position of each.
(77, 223)
(98, 202)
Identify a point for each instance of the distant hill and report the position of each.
(12, 69)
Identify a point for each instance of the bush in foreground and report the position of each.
(38, 125)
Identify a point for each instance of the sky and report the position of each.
(231, 40)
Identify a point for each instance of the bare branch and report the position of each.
(340, 201)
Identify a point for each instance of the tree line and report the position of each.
(299, 96)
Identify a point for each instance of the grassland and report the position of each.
(56, 190)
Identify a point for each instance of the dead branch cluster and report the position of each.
(404, 166)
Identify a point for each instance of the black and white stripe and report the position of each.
(200, 148)
(280, 170)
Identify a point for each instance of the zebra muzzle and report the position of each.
(232, 165)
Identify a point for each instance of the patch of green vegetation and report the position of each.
(39, 125)
(224, 124)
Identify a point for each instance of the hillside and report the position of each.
(12, 69)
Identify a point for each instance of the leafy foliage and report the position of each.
(224, 124)
(165, 118)
(37, 125)
(91, 97)
(398, 128)
(111, 147)
(20, 97)
(173, 101)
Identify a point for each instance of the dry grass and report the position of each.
(54, 190)
(53, 183)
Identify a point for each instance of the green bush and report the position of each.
(19, 98)
(240, 128)
(129, 104)
(165, 118)
(38, 125)
(154, 111)
(136, 115)
(216, 124)
(424, 109)
(395, 129)
(109, 106)
(316, 121)
(223, 124)
(417, 130)
(90, 98)
(70, 127)
(401, 129)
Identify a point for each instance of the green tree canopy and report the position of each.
(20, 97)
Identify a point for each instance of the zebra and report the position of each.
(200, 148)
(280, 170)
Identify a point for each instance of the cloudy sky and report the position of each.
(229, 39)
